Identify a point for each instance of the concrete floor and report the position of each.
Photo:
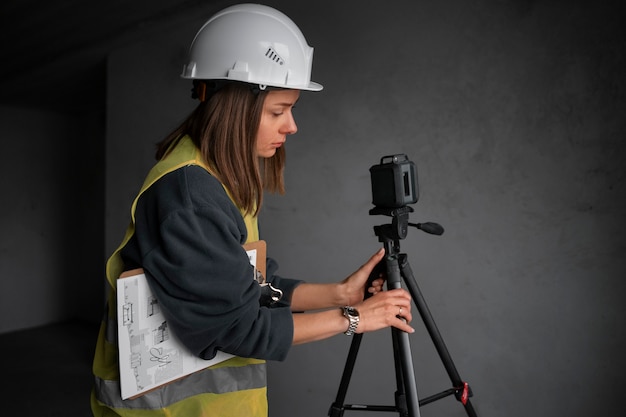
(47, 370)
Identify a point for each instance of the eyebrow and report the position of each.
(285, 104)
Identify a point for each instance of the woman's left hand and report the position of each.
(354, 285)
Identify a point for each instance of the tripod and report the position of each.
(398, 268)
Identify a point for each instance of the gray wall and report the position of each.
(514, 114)
(51, 216)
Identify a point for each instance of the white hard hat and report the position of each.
(255, 44)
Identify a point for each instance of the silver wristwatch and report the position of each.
(352, 314)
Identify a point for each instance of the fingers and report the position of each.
(385, 309)
(404, 313)
(376, 286)
(399, 295)
(401, 309)
(403, 317)
(404, 326)
(355, 285)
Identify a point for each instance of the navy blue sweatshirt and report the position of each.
(188, 239)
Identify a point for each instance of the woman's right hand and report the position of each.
(385, 309)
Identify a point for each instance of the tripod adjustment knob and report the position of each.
(352, 314)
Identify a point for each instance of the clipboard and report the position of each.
(257, 254)
(150, 355)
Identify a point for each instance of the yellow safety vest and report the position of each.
(236, 387)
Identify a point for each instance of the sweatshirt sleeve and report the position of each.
(286, 285)
(188, 239)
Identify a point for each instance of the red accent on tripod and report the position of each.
(466, 393)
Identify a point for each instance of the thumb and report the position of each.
(374, 260)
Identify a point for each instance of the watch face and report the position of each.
(352, 311)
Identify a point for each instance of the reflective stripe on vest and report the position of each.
(214, 380)
(235, 387)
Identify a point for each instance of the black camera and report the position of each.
(394, 182)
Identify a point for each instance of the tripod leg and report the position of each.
(402, 349)
(400, 394)
(461, 389)
(337, 408)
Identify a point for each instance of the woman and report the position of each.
(199, 205)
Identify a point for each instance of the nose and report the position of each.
(290, 126)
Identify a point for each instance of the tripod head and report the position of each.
(398, 229)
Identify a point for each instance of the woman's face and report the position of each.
(276, 121)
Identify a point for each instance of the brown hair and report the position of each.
(224, 128)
